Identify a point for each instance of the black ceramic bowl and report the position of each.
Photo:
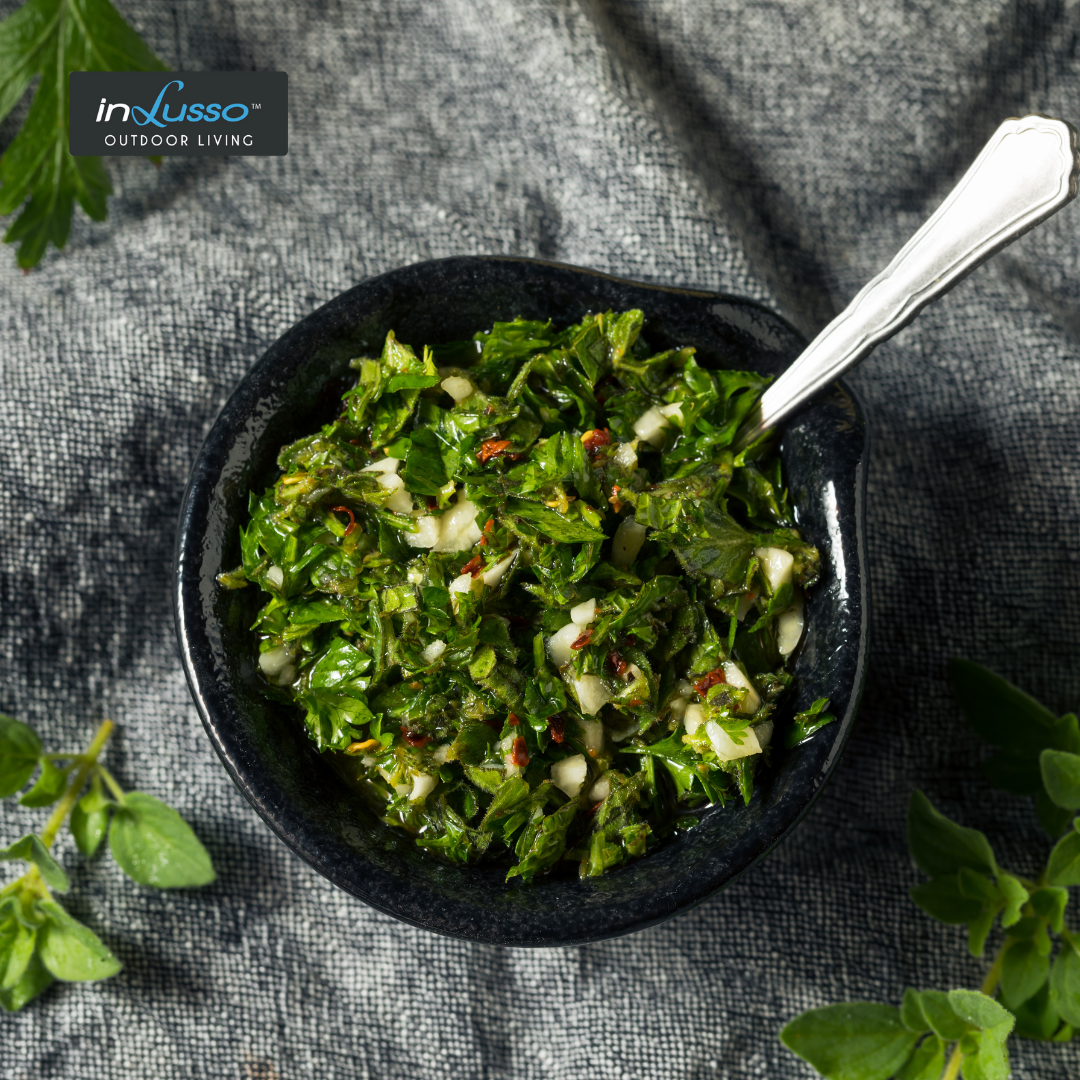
(293, 389)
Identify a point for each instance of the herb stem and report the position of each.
(989, 985)
(67, 801)
(112, 785)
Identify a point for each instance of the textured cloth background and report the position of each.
(779, 149)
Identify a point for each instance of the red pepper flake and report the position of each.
(512, 720)
(492, 448)
(520, 754)
(714, 677)
(488, 526)
(594, 441)
(634, 702)
(557, 728)
(413, 739)
(631, 641)
(583, 640)
(432, 502)
(616, 502)
(474, 565)
(617, 662)
(352, 517)
(595, 807)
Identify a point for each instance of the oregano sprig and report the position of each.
(151, 843)
(1032, 988)
(50, 38)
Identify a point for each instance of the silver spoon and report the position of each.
(1026, 172)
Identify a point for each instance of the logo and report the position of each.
(179, 113)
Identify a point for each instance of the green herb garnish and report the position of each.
(52, 38)
(151, 843)
(1027, 991)
(527, 594)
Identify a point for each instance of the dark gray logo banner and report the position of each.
(183, 113)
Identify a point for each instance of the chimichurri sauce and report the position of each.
(526, 587)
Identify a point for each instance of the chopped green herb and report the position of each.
(527, 586)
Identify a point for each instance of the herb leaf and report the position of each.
(1049, 903)
(20, 748)
(70, 951)
(17, 942)
(34, 851)
(153, 845)
(939, 846)
(1065, 982)
(1000, 713)
(88, 826)
(49, 787)
(854, 1041)
(1023, 970)
(52, 38)
(927, 1063)
(1064, 866)
(942, 899)
(1061, 777)
(34, 979)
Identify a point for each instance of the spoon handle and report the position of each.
(1026, 172)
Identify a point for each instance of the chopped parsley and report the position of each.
(528, 597)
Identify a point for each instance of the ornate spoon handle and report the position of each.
(1026, 172)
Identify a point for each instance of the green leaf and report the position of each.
(804, 724)
(1023, 971)
(1061, 777)
(1015, 896)
(1049, 902)
(17, 943)
(34, 851)
(552, 523)
(985, 1058)
(153, 845)
(20, 748)
(424, 473)
(1065, 983)
(1053, 818)
(52, 38)
(939, 846)
(547, 844)
(982, 1012)
(70, 951)
(1000, 713)
(49, 787)
(911, 1014)
(854, 1041)
(88, 827)
(927, 1063)
(1064, 865)
(940, 1015)
(721, 549)
(1037, 1018)
(942, 899)
(33, 981)
(977, 886)
(980, 927)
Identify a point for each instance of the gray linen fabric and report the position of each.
(778, 149)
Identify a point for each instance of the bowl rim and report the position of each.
(205, 474)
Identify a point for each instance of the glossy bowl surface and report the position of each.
(293, 389)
